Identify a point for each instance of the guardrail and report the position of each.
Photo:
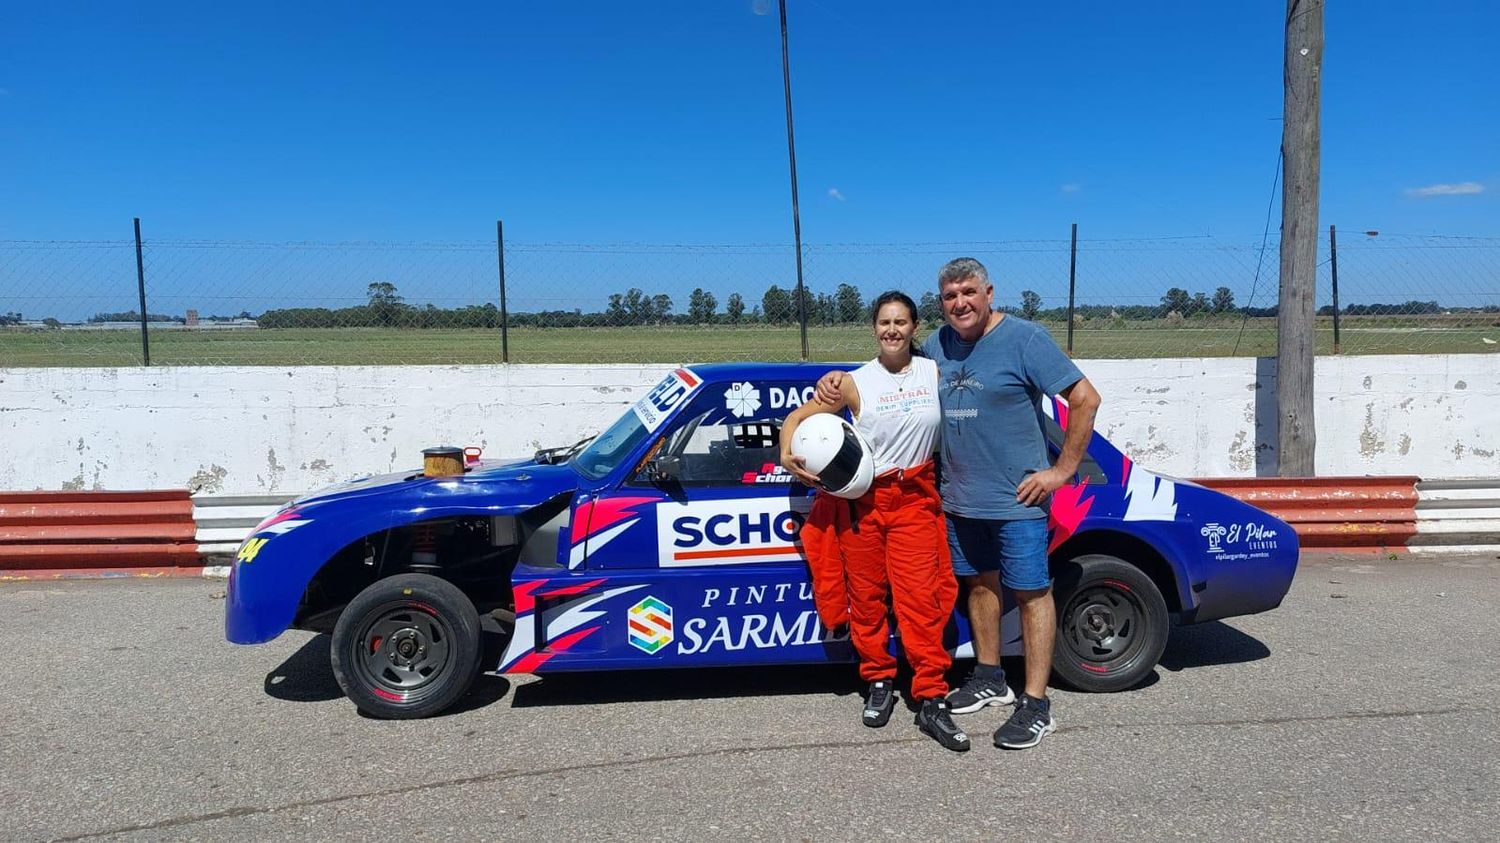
(59, 531)
(46, 534)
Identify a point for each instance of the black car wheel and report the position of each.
(407, 646)
(1112, 624)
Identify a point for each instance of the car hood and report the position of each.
(492, 485)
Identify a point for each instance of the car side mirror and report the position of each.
(666, 468)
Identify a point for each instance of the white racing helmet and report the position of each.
(834, 451)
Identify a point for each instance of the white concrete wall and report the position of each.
(258, 430)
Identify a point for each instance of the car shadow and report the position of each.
(1209, 644)
(592, 687)
(307, 676)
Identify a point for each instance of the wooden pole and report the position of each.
(1301, 87)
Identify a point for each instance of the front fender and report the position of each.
(275, 564)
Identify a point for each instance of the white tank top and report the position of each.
(898, 414)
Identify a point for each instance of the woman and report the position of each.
(891, 541)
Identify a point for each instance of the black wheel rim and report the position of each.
(1103, 625)
(402, 651)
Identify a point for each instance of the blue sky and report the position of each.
(662, 121)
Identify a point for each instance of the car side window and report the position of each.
(722, 454)
(1088, 467)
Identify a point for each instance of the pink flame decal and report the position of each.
(601, 513)
(1069, 508)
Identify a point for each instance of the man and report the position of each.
(996, 480)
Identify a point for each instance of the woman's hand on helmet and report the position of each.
(798, 467)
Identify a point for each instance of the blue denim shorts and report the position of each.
(1017, 548)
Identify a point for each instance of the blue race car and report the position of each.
(671, 540)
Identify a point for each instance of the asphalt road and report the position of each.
(1365, 707)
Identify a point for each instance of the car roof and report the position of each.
(745, 371)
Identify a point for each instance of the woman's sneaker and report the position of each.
(935, 719)
(1031, 721)
(980, 691)
(879, 703)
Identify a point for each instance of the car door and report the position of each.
(709, 528)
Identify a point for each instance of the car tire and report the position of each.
(1112, 624)
(407, 646)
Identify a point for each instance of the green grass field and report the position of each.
(373, 346)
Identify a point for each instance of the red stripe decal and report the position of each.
(532, 661)
(579, 588)
(524, 601)
(1093, 667)
(387, 695)
(1121, 586)
(687, 377)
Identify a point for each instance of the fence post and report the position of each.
(1072, 277)
(791, 151)
(504, 316)
(140, 283)
(1333, 257)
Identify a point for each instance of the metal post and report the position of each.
(1072, 277)
(791, 150)
(1333, 257)
(504, 317)
(140, 283)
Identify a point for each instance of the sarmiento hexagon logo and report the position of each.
(650, 625)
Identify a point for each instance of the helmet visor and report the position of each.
(841, 469)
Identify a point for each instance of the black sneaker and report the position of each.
(1031, 721)
(879, 703)
(978, 692)
(935, 719)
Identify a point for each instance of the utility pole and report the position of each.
(1301, 94)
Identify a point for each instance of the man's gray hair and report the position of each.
(959, 269)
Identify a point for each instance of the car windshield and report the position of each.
(611, 446)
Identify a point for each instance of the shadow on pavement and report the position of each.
(688, 684)
(1209, 644)
(307, 676)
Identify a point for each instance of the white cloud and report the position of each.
(833, 193)
(760, 7)
(1072, 188)
(1461, 189)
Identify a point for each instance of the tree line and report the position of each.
(386, 308)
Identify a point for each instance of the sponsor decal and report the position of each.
(742, 399)
(785, 622)
(1250, 540)
(730, 532)
(789, 398)
(650, 625)
(1215, 534)
(656, 405)
(769, 473)
(754, 631)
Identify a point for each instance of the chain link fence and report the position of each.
(76, 303)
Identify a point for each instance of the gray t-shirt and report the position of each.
(991, 392)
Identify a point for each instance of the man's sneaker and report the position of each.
(879, 703)
(1031, 721)
(978, 692)
(935, 719)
